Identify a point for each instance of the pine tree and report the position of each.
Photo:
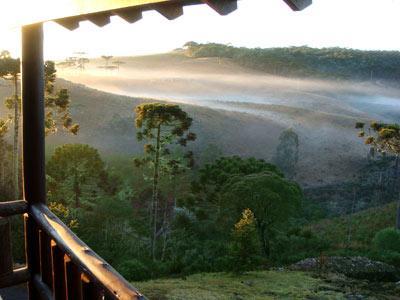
(384, 138)
(162, 126)
(56, 102)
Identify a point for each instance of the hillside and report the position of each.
(243, 110)
(362, 225)
(239, 109)
(304, 61)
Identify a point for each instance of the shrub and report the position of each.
(297, 245)
(134, 270)
(387, 239)
(389, 257)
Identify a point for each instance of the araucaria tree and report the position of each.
(287, 152)
(164, 127)
(56, 102)
(384, 138)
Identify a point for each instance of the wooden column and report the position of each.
(33, 113)
(33, 137)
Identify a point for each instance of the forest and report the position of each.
(337, 63)
(169, 211)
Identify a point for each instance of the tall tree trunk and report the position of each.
(155, 193)
(16, 140)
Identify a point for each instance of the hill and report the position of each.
(304, 61)
(362, 227)
(240, 110)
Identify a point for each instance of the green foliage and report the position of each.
(365, 225)
(162, 125)
(272, 199)
(213, 176)
(305, 61)
(76, 172)
(245, 246)
(295, 245)
(134, 269)
(387, 239)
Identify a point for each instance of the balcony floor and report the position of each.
(14, 293)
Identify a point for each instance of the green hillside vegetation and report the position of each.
(308, 62)
(355, 232)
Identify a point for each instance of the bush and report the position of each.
(387, 240)
(297, 245)
(389, 257)
(134, 270)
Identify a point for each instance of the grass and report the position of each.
(253, 285)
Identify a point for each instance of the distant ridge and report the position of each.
(339, 63)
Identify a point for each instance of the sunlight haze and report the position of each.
(360, 24)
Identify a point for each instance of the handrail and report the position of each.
(82, 256)
(11, 208)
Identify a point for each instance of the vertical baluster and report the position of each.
(90, 290)
(6, 261)
(32, 253)
(73, 280)
(59, 282)
(45, 259)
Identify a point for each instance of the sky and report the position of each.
(360, 24)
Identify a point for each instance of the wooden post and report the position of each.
(33, 136)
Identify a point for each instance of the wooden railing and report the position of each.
(59, 264)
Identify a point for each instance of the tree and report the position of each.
(384, 138)
(75, 173)
(5, 150)
(10, 70)
(245, 247)
(271, 198)
(287, 152)
(161, 125)
(212, 177)
(56, 102)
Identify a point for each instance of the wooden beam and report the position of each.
(298, 5)
(33, 114)
(170, 11)
(69, 23)
(18, 276)
(100, 19)
(223, 7)
(12, 208)
(130, 15)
